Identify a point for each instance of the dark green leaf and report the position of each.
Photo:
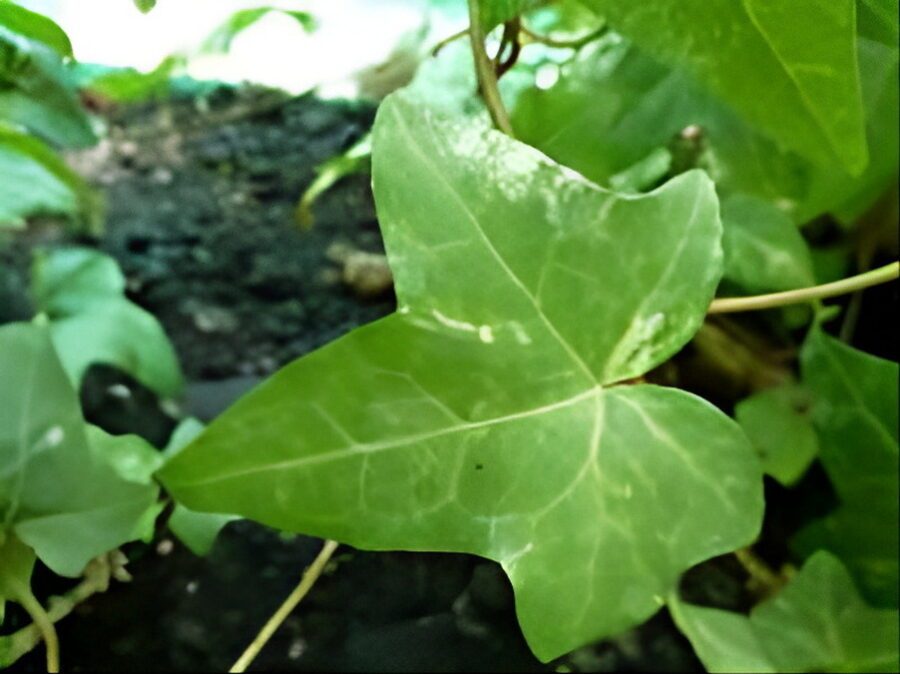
(855, 410)
(484, 416)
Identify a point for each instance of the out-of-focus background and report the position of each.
(275, 51)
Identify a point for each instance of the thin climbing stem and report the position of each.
(576, 43)
(44, 624)
(310, 576)
(883, 274)
(484, 68)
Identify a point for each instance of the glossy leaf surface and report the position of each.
(818, 623)
(483, 416)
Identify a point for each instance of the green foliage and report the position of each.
(91, 321)
(220, 40)
(198, 531)
(488, 415)
(855, 411)
(778, 424)
(818, 623)
(804, 93)
(129, 85)
(59, 495)
(145, 6)
(17, 20)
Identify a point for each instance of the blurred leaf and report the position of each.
(130, 85)
(93, 322)
(36, 181)
(356, 159)
(36, 92)
(777, 422)
(145, 6)
(818, 623)
(16, 565)
(20, 21)
(56, 494)
(764, 250)
(220, 40)
(855, 411)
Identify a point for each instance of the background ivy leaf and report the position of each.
(855, 410)
(220, 40)
(764, 250)
(495, 12)
(483, 417)
(56, 494)
(91, 321)
(197, 530)
(144, 6)
(803, 93)
(777, 422)
(818, 623)
(37, 182)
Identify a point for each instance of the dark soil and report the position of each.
(200, 196)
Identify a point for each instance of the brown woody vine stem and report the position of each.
(883, 274)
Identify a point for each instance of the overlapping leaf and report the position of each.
(855, 410)
(818, 623)
(91, 321)
(805, 93)
(484, 416)
(58, 495)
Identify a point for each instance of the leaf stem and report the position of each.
(29, 602)
(484, 68)
(883, 274)
(310, 576)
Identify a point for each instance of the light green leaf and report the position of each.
(145, 6)
(220, 40)
(818, 623)
(778, 424)
(764, 250)
(36, 181)
(56, 494)
(132, 457)
(20, 21)
(92, 321)
(805, 93)
(130, 85)
(495, 12)
(488, 415)
(855, 410)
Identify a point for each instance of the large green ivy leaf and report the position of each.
(855, 410)
(491, 413)
(57, 494)
(818, 623)
(36, 181)
(91, 321)
(805, 93)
